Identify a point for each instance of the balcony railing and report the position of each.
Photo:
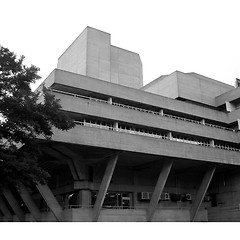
(155, 135)
(144, 110)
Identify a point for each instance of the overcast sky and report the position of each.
(189, 36)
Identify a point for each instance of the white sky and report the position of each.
(189, 36)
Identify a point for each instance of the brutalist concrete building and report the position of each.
(166, 151)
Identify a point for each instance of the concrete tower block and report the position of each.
(92, 55)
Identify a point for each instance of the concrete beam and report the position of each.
(158, 189)
(51, 201)
(14, 204)
(28, 200)
(5, 210)
(104, 187)
(77, 169)
(201, 192)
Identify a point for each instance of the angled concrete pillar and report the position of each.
(81, 169)
(51, 201)
(158, 189)
(72, 169)
(5, 210)
(29, 202)
(104, 187)
(74, 160)
(201, 193)
(14, 204)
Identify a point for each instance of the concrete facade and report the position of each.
(168, 151)
(92, 54)
(191, 86)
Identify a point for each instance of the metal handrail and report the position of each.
(199, 143)
(125, 207)
(144, 110)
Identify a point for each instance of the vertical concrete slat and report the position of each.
(201, 192)
(50, 200)
(14, 204)
(104, 187)
(27, 198)
(5, 210)
(158, 189)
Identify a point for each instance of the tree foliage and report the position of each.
(22, 119)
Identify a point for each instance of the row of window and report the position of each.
(160, 113)
(155, 134)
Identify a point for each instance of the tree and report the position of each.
(22, 119)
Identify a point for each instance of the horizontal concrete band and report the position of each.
(91, 108)
(58, 79)
(228, 97)
(143, 144)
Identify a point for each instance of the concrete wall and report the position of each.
(74, 59)
(166, 86)
(107, 111)
(228, 96)
(91, 54)
(234, 115)
(226, 186)
(67, 81)
(200, 89)
(98, 54)
(190, 86)
(126, 68)
(143, 144)
(129, 215)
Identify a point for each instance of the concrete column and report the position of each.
(51, 201)
(85, 198)
(158, 189)
(115, 125)
(104, 187)
(14, 204)
(203, 121)
(229, 107)
(5, 210)
(238, 121)
(201, 192)
(212, 143)
(27, 198)
(110, 100)
(169, 135)
(161, 112)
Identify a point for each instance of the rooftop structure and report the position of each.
(167, 151)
